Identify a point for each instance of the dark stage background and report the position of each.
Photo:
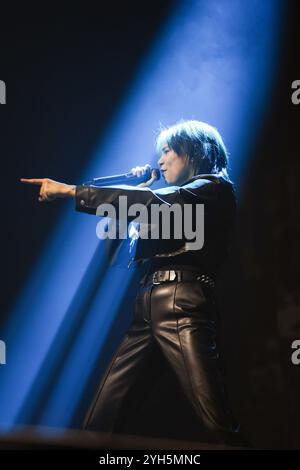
(66, 68)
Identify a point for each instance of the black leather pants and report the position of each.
(179, 320)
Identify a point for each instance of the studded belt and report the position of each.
(159, 277)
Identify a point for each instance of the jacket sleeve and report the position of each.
(88, 198)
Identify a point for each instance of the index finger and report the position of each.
(38, 181)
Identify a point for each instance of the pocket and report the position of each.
(137, 306)
(141, 306)
(195, 300)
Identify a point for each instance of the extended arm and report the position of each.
(88, 198)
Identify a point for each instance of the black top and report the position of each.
(213, 191)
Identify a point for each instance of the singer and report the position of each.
(174, 312)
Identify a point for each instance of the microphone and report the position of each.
(126, 178)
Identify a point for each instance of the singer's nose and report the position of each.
(160, 161)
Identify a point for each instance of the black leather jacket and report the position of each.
(215, 192)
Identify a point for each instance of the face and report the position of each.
(174, 168)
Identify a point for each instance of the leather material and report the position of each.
(176, 318)
(218, 197)
(180, 321)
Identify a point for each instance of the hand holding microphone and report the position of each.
(139, 175)
(154, 174)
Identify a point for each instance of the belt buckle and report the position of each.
(155, 277)
(163, 276)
